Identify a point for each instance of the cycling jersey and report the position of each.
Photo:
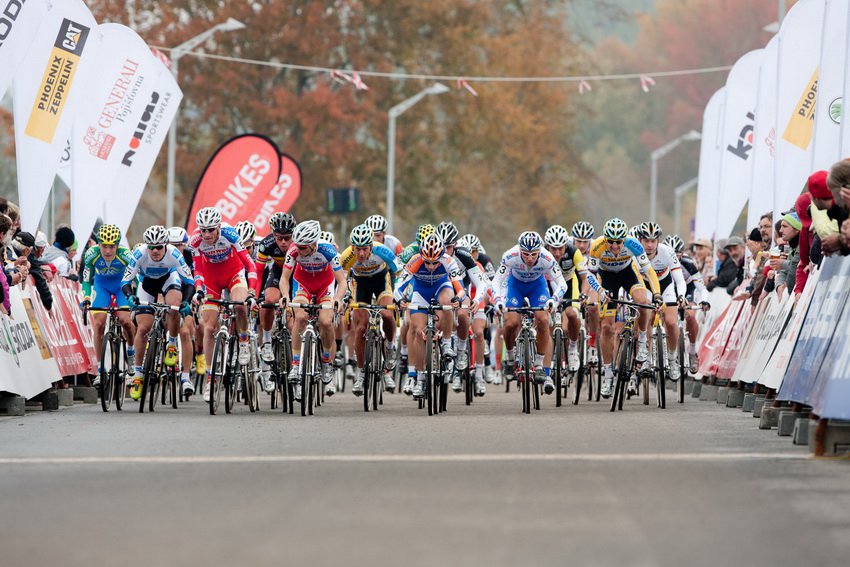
(408, 253)
(669, 273)
(393, 244)
(574, 265)
(382, 258)
(487, 265)
(429, 283)
(696, 290)
(223, 261)
(600, 258)
(169, 272)
(469, 272)
(95, 267)
(514, 269)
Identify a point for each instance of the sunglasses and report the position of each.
(615, 241)
(208, 230)
(156, 246)
(282, 236)
(304, 248)
(430, 263)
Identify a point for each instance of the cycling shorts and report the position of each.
(371, 288)
(217, 283)
(536, 291)
(104, 290)
(422, 294)
(314, 288)
(628, 280)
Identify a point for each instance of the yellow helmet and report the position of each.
(108, 234)
(423, 231)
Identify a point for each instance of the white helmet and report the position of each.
(472, 242)
(556, 236)
(155, 236)
(327, 236)
(177, 235)
(246, 231)
(208, 217)
(377, 223)
(306, 233)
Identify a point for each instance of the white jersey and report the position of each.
(666, 264)
(514, 267)
(144, 266)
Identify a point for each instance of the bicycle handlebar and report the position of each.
(163, 306)
(324, 306)
(439, 307)
(370, 307)
(631, 304)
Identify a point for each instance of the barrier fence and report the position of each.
(39, 347)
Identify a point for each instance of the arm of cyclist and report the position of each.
(88, 273)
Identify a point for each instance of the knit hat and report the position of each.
(817, 185)
(801, 206)
(41, 240)
(65, 237)
(25, 239)
(755, 236)
(793, 220)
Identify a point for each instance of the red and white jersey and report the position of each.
(224, 256)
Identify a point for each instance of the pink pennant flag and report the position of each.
(358, 83)
(646, 82)
(462, 83)
(584, 87)
(161, 56)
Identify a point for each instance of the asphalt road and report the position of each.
(695, 484)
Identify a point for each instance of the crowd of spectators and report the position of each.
(23, 254)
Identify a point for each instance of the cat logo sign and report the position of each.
(57, 80)
(801, 126)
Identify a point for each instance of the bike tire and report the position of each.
(661, 381)
(429, 372)
(683, 370)
(120, 376)
(623, 370)
(367, 371)
(378, 371)
(107, 385)
(174, 379)
(159, 377)
(151, 349)
(557, 355)
(528, 374)
(286, 361)
(218, 368)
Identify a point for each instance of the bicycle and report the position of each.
(113, 380)
(311, 357)
(251, 385)
(526, 349)
(224, 365)
(658, 369)
(373, 357)
(436, 375)
(282, 361)
(559, 359)
(156, 374)
(625, 354)
(684, 365)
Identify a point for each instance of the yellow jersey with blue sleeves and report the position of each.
(600, 258)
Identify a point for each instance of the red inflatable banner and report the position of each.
(281, 197)
(238, 179)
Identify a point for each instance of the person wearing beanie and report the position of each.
(58, 253)
(801, 207)
(758, 250)
(824, 186)
(789, 228)
(24, 244)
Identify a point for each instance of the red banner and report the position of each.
(238, 179)
(282, 195)
(715, 340)
(729, 359)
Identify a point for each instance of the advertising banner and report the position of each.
(48, 85)
(282, 196)
(19, 21)
(715, 340)
(750, 340)
(736, 166)
(830, 399)
(818, 328)
(105, 123)
(764, 136)
(833, 65)
(238, 179)
(766, 335)
(799, 56)
(737, 337)
(710, 153)
(139, 153)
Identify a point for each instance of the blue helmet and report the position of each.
(530, 241)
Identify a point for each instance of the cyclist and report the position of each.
(406, 255)
(696, 293)
(315, 266)
(372, 268)
(480, 329)
(103, 266)
(431, 275)
(162, 271)
(328, 236)
(483, 320)
(247, 232)
(470, 273)
(618, 261)
(579, 281)
(221, 263)
(178, 238)
(582, 233)
(271, 254)
(522, 275)
(671, 281)
(378, 224)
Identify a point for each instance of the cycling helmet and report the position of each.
(361, 235)
(108, 234)
(615, 229)
(306, 233)
(674, 242)
(649, 230)
(583, 230)
(448, 233)
(327, 236)
(208, 217)
(246, 231)
(633, 232)
(529, 241)
(377, 223)
(155, 235)
(283, 223)
(431, 248)
(177, 235)
(423, 231)
(472, 242)
(556, 236)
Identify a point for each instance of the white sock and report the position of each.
(642, 336)
(267, 336)
(462, 345)
(172, 340)
(692, 348)
(447, 343)
(403, 350)
(538, 360)
(573, 345)
(479, 371)
(510, 354)
(184, 376)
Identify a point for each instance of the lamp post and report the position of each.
(176, 53)
(658, 154)
(395, 112)
(680, 192)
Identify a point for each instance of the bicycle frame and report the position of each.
(155, 370)
(374, 353)
(436, 390)
(526, 349)
(310, 361)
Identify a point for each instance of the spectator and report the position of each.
(5, 303)
(790, 230)
(801, 207)
(18, 253)
(730, 273)
(24, 245)
(702, 256)
(766, 227)
(58, 253)
(41, 244)
(758, 250)
(824, 186)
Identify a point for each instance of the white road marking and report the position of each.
(461, 458)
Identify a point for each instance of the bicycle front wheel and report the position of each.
(683, 369)
(218, 368)
(120, 371)
(150, 370)
(108, 367)
(557, 359)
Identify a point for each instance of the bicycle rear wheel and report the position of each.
(120, 372)
(173, 379)
(683, 370)
(557, 356)
(108, 366)
(661, 378)
(149, 372)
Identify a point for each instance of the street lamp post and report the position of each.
(658, 154)
(395, 112)
(176, 53)
(680, 192)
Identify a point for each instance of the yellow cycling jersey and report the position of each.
(601, 258)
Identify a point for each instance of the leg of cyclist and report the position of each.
(360, 321)
(270, 295)
(479, 322)
(126, 321)
(607, 352)
(543, 359)
(641, 295)
(187, 328)
(572, 325)
(692, 326)
(592, 315)
(98, 324)
(172, 326)
(209, 327)
(239, 292)
(463, 319)
(144, 322)
(670, 315)
(446, 318)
